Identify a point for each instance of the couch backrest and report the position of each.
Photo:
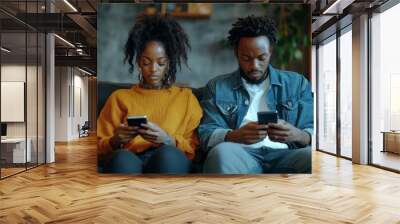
(105, 89)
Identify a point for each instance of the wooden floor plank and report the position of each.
(71, 191)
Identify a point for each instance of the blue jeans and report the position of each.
(165, 159)
(233, 158)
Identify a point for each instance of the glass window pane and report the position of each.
(346, 94)
(41, 98)
(22, 76)
(385, 89)
(13, 84)
(31, 97)
(327, 97)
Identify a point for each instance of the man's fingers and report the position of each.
(278, 133)
(278, 126)
(276, 138)
(262, 127)
(252, 138)
(254, 126)
(255, 136)
(251, 126)
(262, 133)
(275, 126)
(253, 141)
(255, 132)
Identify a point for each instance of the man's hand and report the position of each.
(248, 134)
(155, 134)
(287, 133)
(122, 135)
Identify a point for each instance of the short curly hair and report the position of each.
(252, 26)
(163, 29)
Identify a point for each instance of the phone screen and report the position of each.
(266, 117)
(136, 121)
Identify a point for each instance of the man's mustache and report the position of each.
(255, 71)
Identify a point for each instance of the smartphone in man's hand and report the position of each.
(137, 121)
(265, 117)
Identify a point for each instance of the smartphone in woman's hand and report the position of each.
(137, 121)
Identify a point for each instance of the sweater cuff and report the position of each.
(104, 146)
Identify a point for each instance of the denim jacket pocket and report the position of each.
(228, 109)
(289, 110)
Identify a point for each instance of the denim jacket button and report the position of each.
(246, 102)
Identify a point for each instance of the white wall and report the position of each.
(12, 73)
(61, 103)
(71, 94)
(34, 106)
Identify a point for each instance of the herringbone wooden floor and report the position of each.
(71, 191)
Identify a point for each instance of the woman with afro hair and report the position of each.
(156, 46)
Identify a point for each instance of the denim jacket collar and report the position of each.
(274, 78)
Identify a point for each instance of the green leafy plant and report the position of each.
(293, 39)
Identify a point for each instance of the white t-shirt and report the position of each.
(258, 102)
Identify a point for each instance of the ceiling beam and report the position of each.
(82, 61)
(337, 7)
(84, 24)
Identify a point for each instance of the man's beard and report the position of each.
(252, 81)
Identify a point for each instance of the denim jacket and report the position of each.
(226, 101)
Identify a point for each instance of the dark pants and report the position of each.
(165, 159)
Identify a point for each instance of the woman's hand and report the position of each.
(152, 133)
(122, 135)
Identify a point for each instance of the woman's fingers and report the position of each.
(127, 128)
(123, 129)
(127, 134)
(148, 132)
(132, 133)
(124, 139)
(151, 126)
(145, 126)
(150, 138)
(122, 136)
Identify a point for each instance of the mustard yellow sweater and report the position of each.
(175, 110)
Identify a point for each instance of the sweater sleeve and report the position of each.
(188, 142)
(110, 117)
